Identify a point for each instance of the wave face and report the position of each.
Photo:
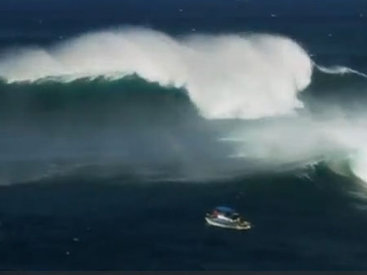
(107, 128)
(145, 103)
(227, 76)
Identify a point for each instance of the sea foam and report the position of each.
(236, 76)
(245, 76)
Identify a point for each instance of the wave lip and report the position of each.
(245, 76)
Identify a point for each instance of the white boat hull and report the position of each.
(213, 222)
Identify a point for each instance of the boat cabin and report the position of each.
(225, 212)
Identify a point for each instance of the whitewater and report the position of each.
(226, 76)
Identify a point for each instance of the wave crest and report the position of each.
(226, 76)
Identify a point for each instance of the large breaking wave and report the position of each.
(118, 97)
(226, 76)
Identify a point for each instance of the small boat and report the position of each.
(226, 217)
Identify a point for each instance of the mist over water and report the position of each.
(96, 99)
(220, 72)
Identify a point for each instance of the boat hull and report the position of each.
(214, 222)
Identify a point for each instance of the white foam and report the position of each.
(305, 141)
(227, 76)
(340, 70)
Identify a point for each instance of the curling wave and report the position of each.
(85, 81)
(227, 76)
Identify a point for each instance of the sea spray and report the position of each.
(244, 76)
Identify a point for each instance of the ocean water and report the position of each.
(123, 122)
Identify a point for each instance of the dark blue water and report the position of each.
(108, 216)
(128, 224)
